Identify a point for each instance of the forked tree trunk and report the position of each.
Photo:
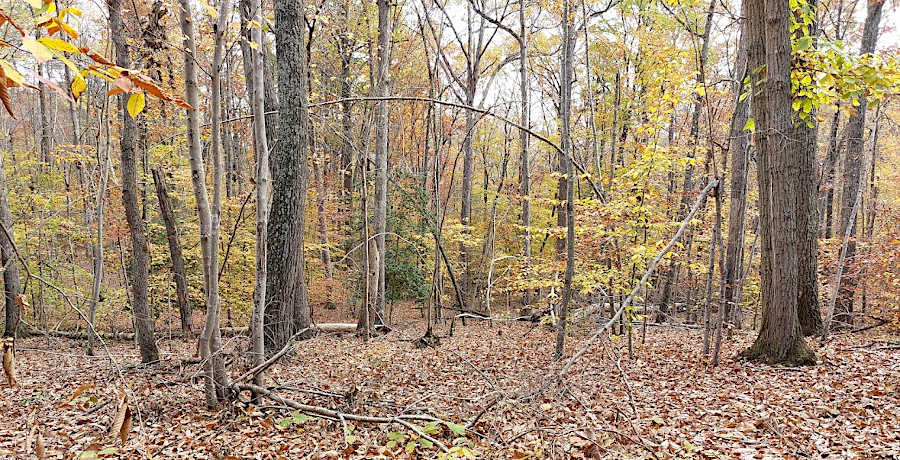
(143, 321)
(210, 337)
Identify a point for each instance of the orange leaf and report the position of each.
(96, 57)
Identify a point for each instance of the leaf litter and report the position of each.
(491, 389)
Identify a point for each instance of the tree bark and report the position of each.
(256, 88)
(178, 272)
(780, 339)
(739, 152)
(287, 309)
(853, 166)
(565, 112)
(807, 213)
(12, 284)
(143, 321)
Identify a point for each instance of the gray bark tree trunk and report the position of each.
(565, 112)
(287, 309)
(12, 284)
(256, 88)
(853, 166)
(143, 321)
(739, 152)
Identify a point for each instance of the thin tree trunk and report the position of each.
(261, 151)
(322, 218)
(566, 77)
(178, 272)
(208, 229)
(739, 152)
(12, 284)
(853, 167)
(143, 321)
(104, 166)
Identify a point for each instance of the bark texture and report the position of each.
(168, 216)
(143, 321)
(780, 338)
(287, 308)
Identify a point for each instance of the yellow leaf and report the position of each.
(11, 73)
(69, 30)
(78, 86)
(136, 104)
(57, 44)
(37, 49)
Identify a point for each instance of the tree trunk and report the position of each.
(738, 150)
(780, 339)
(322, 217)
(808, 310)
(381, 155)
(853, 166)
(168, 216)
(143, 321)
(524, 138)
(12, 285)
(287, 308)
(826, 179)
(261, 150)
(214, 381)
(346, 49)
(104, 165)
(565, 112)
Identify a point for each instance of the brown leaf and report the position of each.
(122, 412)
(96, 57)
(39, 446)
(126, 426)
(4, 93)
(22, 301)
(9, 362)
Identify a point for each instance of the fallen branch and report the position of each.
(330, 413)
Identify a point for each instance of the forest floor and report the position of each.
(663, 403)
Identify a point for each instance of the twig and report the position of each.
(325, 412)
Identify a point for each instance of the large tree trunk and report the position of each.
(143, 321)
(12, 285)
(853, 165)
(780, 339)
(168, 216)
(287, 308)
(808, 311)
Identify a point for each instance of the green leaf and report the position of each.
(426, 443)
(750, 125)
(410, 447)
(457, 429)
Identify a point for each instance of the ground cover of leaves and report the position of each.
(663, 403)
